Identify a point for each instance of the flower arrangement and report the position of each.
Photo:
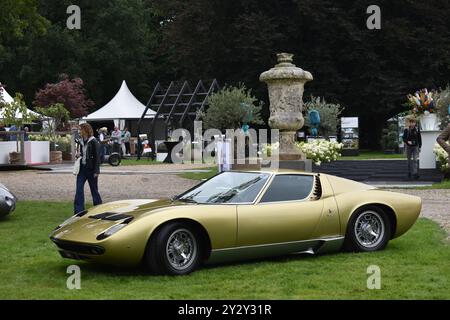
(321, 150)
(441, 157)
(421, 102)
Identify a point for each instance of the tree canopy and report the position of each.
(145, 41)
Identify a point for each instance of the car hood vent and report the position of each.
(111, 216)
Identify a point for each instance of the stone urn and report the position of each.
(285, 83)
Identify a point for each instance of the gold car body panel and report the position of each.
(127, 246)
(242, 230)
(351, 195)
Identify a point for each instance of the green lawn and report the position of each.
(370, 155)
(414, 266)
(440, 185)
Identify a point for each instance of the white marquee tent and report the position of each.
(124, 106)
(8, 99)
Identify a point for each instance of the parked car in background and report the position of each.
(7, 201)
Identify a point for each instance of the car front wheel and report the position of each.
(369, 229)
(174, 250)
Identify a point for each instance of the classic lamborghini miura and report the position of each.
(239, 215)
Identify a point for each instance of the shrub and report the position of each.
(320, 150)
(329, 115)
(441, 157)
(230, 108)
(389, 139)
(442, 105)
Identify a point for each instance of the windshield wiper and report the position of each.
(188, 200)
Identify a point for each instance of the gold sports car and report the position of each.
(239, 215)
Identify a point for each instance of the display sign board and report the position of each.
(350, 136)
(349, 122)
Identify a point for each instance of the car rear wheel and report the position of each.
(369, 229)
(174, 250)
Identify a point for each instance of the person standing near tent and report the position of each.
(116, 137)
(3, 137)
(89, 151)
(13, 137)
(102, 140)
(126, 141)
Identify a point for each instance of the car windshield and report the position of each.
(227, 187)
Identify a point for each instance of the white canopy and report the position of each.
(8, 99)
(123, 106)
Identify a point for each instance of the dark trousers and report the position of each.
(127, 147)
(84, 175)
(412, 154)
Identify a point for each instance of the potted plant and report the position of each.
(16, 114)
(234, 108)
(54, 116)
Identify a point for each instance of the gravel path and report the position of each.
(60, 186)
(148, 182)
(435, 205)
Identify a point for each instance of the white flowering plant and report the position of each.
(321, 150)
(441, 158)
(267, 149)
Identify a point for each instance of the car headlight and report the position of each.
(115, 228)
(9, 202)
(72, 219)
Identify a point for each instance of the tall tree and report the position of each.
(368, 71)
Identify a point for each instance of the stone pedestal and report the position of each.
(427, 158)
(285, 83)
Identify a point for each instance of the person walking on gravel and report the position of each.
(442, 140)
(89, 167)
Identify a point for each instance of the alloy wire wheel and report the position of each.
(175, 249)
(181, 249)
(369, 229)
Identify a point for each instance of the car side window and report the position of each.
(288, 187)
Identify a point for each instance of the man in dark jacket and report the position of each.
(442, 140)
(413, 142)
(89, 167)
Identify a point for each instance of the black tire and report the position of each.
(158, 250)
(114, 159)
(361, 227)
